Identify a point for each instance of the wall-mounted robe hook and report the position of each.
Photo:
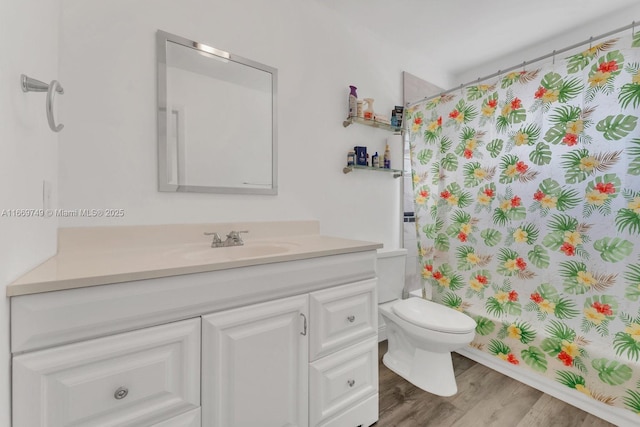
(32, 85)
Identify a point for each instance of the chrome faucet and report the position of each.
(217, 241)
(233, 239)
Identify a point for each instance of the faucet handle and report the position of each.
(236, 234)
(216, 237)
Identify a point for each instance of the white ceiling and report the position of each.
(461, 34)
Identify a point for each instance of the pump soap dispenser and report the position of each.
(368, 112)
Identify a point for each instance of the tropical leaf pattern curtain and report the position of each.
(527, 194)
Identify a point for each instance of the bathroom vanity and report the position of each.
(127, 326)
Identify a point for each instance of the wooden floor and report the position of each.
(485, 398)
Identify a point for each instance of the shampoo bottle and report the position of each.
(387, 157)
(353, 102)
(375, 160)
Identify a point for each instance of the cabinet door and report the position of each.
(255, 365)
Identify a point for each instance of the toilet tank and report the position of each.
(390, 269)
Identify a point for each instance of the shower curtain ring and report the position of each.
(590, 42)
(633, 29)
(553, 61)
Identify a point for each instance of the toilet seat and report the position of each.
(433, 316)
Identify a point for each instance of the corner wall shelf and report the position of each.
(372, 123)
(397, 173)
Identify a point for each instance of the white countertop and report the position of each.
(104, 255)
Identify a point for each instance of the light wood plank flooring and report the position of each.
(485, 398)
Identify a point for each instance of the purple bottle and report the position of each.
(353, 102)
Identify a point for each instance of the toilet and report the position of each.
(421, 334)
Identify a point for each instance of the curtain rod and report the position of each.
(525, 63)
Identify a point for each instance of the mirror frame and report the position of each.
(162, 38)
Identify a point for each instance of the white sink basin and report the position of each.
(256, 250)
(248, 250)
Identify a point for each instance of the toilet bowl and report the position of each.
(421, 335)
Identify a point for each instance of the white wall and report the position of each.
(572, 35)
(28, 152)
(108, 151)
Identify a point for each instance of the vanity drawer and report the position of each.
(342, 315)
(131, 379)
(362, 414)
(343, 379)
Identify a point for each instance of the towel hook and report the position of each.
(53, 88)
(32, 85)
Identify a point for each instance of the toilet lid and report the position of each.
(430, 315)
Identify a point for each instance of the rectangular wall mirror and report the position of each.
(217, 127)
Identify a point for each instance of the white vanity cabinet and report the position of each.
(257, 369)
(282, 344)
(255, 365)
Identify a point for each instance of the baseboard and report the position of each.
(617, 416)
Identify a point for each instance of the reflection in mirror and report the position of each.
(216, 120)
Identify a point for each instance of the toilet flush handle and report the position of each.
(351, 318)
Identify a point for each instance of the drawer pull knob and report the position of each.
(351, 318)
(351, 383)
(121, 393)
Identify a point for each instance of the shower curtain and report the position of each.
(527, 197)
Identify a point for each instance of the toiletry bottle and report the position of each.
(387, 157)
(353, 102)
(394, 119)
(351, 158)
(375, 160)
(360, 112)
(361, 155)
(368, 112)
(399, 109)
